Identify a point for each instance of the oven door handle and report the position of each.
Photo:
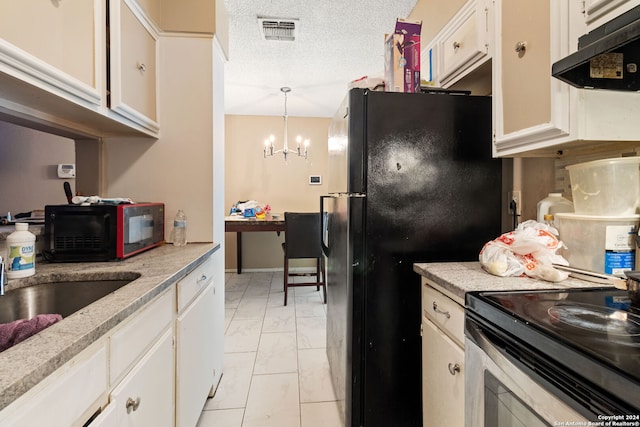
(494, 353)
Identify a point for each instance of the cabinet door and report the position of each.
(525, 89)
(145, 397)
(529, 105)
(195, 358)
(133, 67)
(58, 45)
(217, 329)
(442, 379)
(464, 43)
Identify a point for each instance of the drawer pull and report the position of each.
(132, 404)
(437, 310)
(521, 47)
(454, 368)
(142, 67)
(202, 278)
(456, 45)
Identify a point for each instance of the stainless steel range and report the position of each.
(552, 358)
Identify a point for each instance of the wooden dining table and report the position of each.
(239, 225)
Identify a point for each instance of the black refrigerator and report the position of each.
(411, 178)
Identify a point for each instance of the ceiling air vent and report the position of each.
(278, 29)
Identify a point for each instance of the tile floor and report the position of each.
(276, 371)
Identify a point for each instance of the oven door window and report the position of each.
(503, 408)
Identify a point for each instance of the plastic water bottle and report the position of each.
(21, 247)
(180, 229)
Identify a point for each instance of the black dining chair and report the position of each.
(302, 240)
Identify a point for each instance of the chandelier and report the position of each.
(268, 143)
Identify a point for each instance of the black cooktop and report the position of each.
(593, 333)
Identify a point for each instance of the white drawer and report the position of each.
(193, 283)
(445, 313)
(135, 337)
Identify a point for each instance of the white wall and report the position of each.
(177, 168)
(282, 185)
(28, 174)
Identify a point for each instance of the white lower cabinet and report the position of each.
(66, 397)
(442, 378)
(156, 369)
(195, 358)
(145, 396)
(442, 359)
(107, 417)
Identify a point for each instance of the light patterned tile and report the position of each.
(221, 418)
(232, 298)
(228, 317)
(262, 336)
(322, 414)
(276, 299)
(279, 318)
(242, 335)
(311, 332)
(237, 282)
(273, 401)
(309, 306)
(276, 354)
(277, 282)
(315, 378)
(258, 290)
(251, 308)
(234, 385)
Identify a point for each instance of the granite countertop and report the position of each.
(457, 278)
(29, 362)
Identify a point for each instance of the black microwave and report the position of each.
(101, 232)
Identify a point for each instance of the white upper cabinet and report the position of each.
(74, 68)
(535, 113)
(55, 45)
(460, 47)
(133, 65)
(598, 12)
(464, 43)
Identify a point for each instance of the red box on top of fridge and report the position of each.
(402, 57)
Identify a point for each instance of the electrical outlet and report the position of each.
(516, 197)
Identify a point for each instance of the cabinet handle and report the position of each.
(202, 278)
(132, 404)
(454, 369)
(521, 47)
(142, 67)
(437, 310)
(456, 45)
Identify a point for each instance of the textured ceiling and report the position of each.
(338, 41)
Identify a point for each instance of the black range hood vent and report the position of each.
(607, 57)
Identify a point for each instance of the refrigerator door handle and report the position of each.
(324, 217)
(323, 224)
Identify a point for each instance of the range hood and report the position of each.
(607, 57)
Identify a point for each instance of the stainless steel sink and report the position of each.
(64, 298)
